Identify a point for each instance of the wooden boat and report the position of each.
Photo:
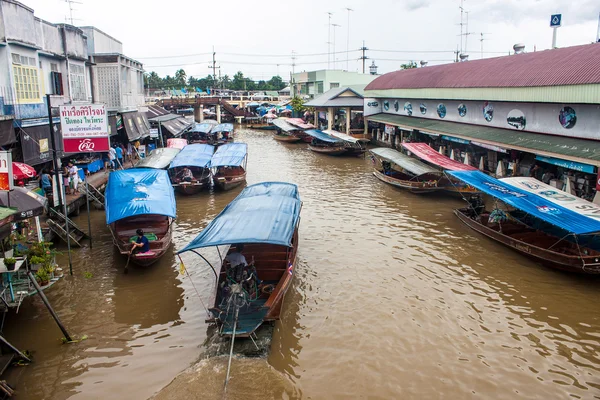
(195, 157)
(201, 132)
(404, 172)
(301, 128)
(282, 137)
(529, 223)
(285, 132)
(228, 166)
(222, 133)
(140, 199)
(325, 144)
(451, 185)
(354, 147)
(267, 123)
(268, 231)
(158, 158)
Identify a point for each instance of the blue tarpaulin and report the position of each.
(203, 127)
(139, 192)
(530, 203)
(226, 127)
(231, 155)
(193, 155)
(267, 212)
(322, 136)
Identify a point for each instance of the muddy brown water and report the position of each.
(393, 298)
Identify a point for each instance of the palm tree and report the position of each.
(180, 77)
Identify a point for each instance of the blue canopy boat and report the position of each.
(226, 131)
(326, 144)
(261, 223)
(158, 158)
(140, 199)
(201, 132)
(228, 165)
(520, 229)
(193, 160)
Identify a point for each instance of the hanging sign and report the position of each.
(154, 133)
(590, 169)
(6, 175)
(84, 128)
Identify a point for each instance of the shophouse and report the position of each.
(529, 113)
(37, 58)
(314, 83)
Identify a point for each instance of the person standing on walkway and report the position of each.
(112, 156)
(119, 151)
(46, 182)
(74, 175)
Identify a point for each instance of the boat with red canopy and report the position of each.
(302, 127)
(424, 152)
(177, 143)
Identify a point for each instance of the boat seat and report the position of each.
(146, 254)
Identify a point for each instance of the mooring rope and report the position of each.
(182, 268)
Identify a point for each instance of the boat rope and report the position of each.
(183, 269)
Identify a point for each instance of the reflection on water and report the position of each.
(393, 298)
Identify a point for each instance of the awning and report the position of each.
(155, 111)
(283, 125)
(556, 196)
(230, 154)
(424, 152)
(133, 133)
(580, 150)
(36, 143)
(139, 192)
(194, 155)
(158, 158)
(299, 122)
(322, 136)
(27, 203)
(176, 126)
(537, 206)
(405, 162)
(7, 132)
(226, 127)
(587, 168)
(112, 125)
(143, 126)
(267, 212)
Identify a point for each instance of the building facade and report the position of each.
(508, 115)
(315, 83)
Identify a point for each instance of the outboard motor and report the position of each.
(476, 205)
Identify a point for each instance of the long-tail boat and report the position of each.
(325, 144)
(201, 132)
(539, 222)
(196, 158)
(228, 165)
(424, 152)
(404, 172)
(285, 132)
(354, 146)
(302, 128)
(222, 133)
(158, 158)
(263, 219)
(140, 198)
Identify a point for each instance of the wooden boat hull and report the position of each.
(331, 151)
(229, 182)
(287, 138)
(123, 230)
(275, 266)
(410, 186)
(264, 127)
(589, 264)
(190, 188)
(357, 152)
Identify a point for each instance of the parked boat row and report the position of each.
(535, 219)
(211, 132)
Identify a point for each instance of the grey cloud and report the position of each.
(413, 5)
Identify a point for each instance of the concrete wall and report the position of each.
(76, 42)
(50, 38)
(537, 117)
(100, 42)
(19, 22)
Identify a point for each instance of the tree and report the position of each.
(276, 83)
(180, 77)
(153, 81)
(238, 82)
(297, 104)
(410, 65)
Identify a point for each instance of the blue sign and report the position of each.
(590, 169)
(457, 140)
(555, 20)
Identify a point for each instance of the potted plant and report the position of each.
(37, 262)
(10, 263)
(42, 277)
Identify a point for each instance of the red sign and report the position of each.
(598, 181)
(86, 145)
(6, 178)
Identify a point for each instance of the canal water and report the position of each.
(393, 298)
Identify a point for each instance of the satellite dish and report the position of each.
(519, 48)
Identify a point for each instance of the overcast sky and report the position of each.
(157, 32)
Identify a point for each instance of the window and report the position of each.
(333, 85)
(22, 60)
(26, 79)
(56, 80)
(53, 67)
(77, 75)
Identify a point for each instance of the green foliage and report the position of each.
(37, 260)
(9, 260)
(409, 65)
(87, 275)
(297, 104)
(239, 82)
(42, 275)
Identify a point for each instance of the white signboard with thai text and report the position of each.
(84, 128)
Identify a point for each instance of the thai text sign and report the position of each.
(590, 169)
(84, 128)
(6, 178)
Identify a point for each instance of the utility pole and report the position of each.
(214, 67)
(462, 11)
(293, 62)
(334, 26)
(364, 55)
(71, 9)
(348, 40)
(329, 41)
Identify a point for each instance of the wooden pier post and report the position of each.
(47, 303)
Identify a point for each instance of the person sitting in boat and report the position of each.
(236, 257)
(141, 245)
(186, 175)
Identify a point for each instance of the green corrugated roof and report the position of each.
(580, 150)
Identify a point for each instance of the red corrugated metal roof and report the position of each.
(568, 66)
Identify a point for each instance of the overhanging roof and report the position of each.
(346, 96)
(579, 150)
